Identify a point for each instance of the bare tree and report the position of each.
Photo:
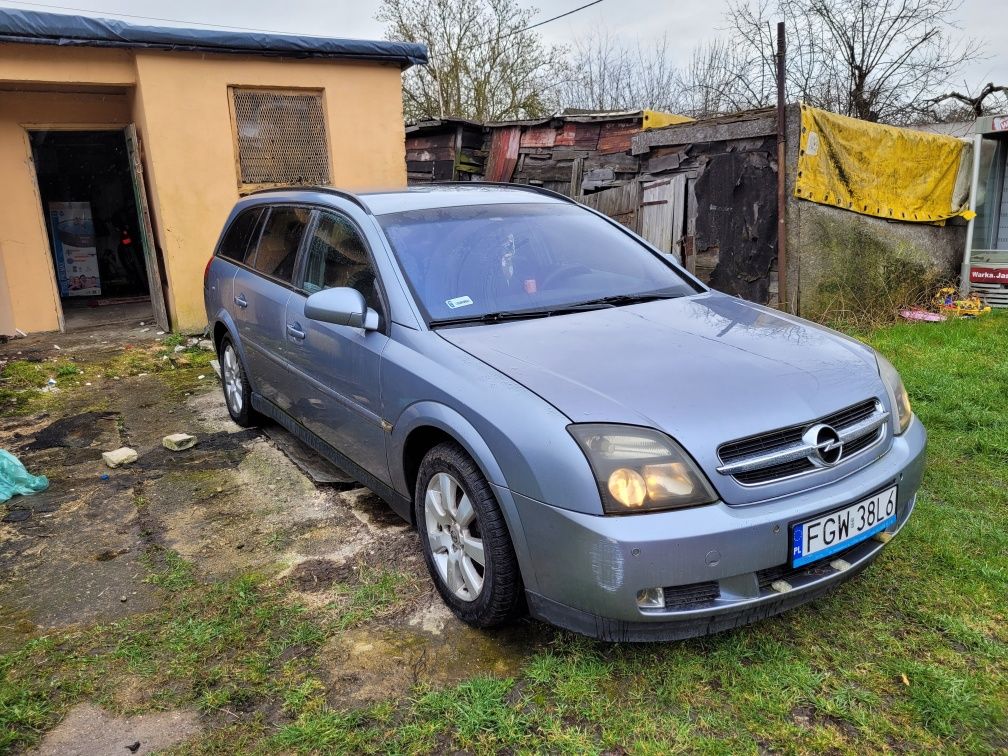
(879, 60)
(718, 79)
(604, 73)
(971, 105)
(484, 63)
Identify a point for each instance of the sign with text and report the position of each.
(989, 275)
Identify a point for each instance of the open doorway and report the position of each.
(89, 202)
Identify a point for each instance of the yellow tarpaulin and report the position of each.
(869, 168)
(655, 119)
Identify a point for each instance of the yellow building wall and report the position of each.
(65, 66)
(183, 113)
(31, 290)
(180, 104)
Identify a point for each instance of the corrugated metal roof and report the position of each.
(34, 28)
(576, 117)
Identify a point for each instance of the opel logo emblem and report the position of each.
(826, 446)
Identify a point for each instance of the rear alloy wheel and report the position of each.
(237, 394)
(465, 539)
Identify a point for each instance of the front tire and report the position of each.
(465, 540)
(237, 393)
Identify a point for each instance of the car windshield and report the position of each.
(487, 262)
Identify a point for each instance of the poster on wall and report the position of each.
(74, 244)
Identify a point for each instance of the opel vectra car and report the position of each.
(576, 426)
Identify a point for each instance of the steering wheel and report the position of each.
(563, 273)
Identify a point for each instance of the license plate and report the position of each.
(829, 533)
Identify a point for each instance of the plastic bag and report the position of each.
(15, 479)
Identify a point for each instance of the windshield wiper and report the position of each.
(616, 300)
(494, 317)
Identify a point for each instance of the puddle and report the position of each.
(76, 431)
(371, 664)
(212, 451)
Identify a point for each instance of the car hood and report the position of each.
(705, 369)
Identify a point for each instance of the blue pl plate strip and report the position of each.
(798, 560)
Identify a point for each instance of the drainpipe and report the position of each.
(782, 300)
(964, 274)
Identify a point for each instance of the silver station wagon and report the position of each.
(577, 427)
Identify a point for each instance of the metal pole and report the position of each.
(782, 300)
(964, 274)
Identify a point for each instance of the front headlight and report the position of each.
(898, 396)
(641, 469)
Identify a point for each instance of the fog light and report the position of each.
(651, 598)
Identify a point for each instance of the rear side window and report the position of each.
(278, 245)
(236, 242)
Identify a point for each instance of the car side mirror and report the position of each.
(341, 306)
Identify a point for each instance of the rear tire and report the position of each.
(460, 524)
(237, 393)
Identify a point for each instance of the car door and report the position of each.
(260, 299)
(236, 247)
(336, 368)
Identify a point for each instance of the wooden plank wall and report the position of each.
(621, 203)
(574, 158)
(451, 152)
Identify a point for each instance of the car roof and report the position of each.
(382, 202)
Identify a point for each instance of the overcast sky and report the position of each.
(688, 21)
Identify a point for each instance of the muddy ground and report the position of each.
(79, 554)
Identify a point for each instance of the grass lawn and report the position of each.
(912, 655)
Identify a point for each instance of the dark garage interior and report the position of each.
(88, 201)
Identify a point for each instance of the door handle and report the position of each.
(294, 329)
(241, 301)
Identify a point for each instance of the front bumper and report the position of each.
(722, 566)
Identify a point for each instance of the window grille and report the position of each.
(281, 137)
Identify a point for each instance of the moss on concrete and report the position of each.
(861, 277)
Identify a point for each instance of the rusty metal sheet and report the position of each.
(538, 136)
(503, 153)
(617, 137)
(584, 136)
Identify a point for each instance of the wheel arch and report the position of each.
(424, 425)
(224, 325)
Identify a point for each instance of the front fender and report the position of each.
(435, 415)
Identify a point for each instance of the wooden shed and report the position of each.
(575, 153)
(444, 149)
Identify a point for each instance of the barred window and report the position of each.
(281, 137)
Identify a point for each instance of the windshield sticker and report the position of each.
(458, 302)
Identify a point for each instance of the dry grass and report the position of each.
(866, 282)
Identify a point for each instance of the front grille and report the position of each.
(853, 447)
(692, 596)
(787, 442)
(774, 472)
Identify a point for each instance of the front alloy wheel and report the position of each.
(465, 539)
(453, 533)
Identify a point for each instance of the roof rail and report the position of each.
(350, 196)
(507, 185)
